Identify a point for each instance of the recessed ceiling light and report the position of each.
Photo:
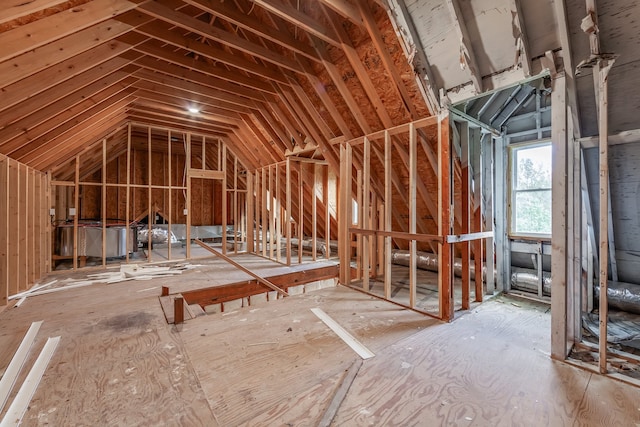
(193, 110)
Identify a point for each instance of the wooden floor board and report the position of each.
(120, 363)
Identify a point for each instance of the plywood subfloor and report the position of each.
(119, 363)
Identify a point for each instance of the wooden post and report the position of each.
(301, 212)
(603, 158)
(250, 200)
(477, 215)
(360, 221)
(327, 210)
(150, 194)
(364, 212)
(169, 156)
(235, 205)
(165, 291)
(344, 216)
(288, 210)
(465, 178)
(272, 220)
(559, 343)
(104, 202)
(277, 214)
(187, 165)
(76, 200)
(178, 310)
(128, 194)
(445, 255)
(487, 210)
(224, 198)
(314, 213)
(413, 181)
(388, 201)
(4, 230)
(265, 218)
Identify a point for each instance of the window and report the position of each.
(531, 189)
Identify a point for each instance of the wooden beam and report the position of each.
(467, 55)
(233, 15)
(344, 215)
(205, 30)
(17, 9)
(241, 268)
(603, 161)
(559, 324)
(299, 19)
(162, 32)
(42, 31)
(445, 253)
(23, 90)
(46, 56)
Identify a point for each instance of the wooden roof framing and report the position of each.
(266, 75)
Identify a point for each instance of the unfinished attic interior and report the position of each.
(319, 212)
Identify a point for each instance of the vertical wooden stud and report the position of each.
(224, 199)
(364, 211)
(188, 201)
(413, 180)
(465, 228)
(128, 194)
(250, 217)
(388, 201)
(445, 255)
(314, 213)
(327, 210)
(265, 217)
(301, 212)
(76, 204)
(559, 209)
(104, 202)
(150, 214)
(344, 217)
(169, 168)
(288, 210)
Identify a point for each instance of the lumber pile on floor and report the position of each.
(127, 272)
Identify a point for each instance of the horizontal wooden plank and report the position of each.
(232, 291)
(201, 173)
(37, 33)
(398, 235)
(458, 238)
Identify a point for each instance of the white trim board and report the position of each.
(18, 407)
(349, 339)
(17, 362)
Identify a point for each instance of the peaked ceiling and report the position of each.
(265, 76)
(271, 76)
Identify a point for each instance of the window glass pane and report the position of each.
(532, 213)
(533, 168)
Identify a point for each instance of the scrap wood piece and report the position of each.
(246, 270)
(20, 403)
(340, 394)
(28, 292)
(17, 362)
(349, 339)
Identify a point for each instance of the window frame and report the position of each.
(512, 192)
